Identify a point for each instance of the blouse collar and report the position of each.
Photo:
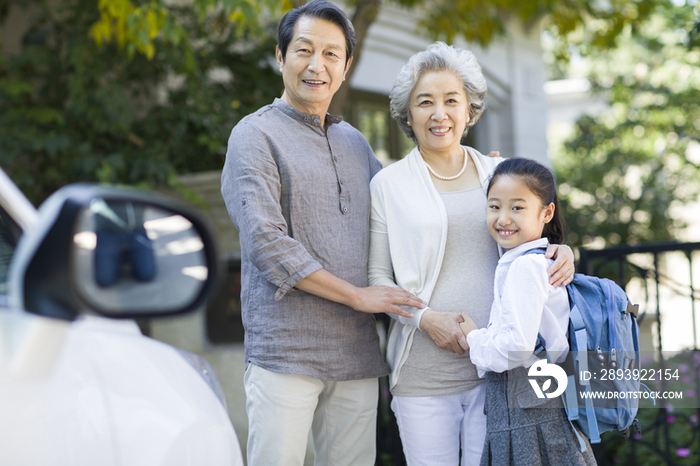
(512, 254)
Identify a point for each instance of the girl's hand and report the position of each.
(467, 326)
(562, 270)
(443, 329)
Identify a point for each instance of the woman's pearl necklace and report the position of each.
(448, 178)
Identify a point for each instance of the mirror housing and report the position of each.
(118, 252)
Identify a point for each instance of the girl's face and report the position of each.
(514, 214)
(438, 112)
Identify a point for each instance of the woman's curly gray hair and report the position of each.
(439, 57)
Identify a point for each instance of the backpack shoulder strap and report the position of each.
(535, 251)
(540, 345)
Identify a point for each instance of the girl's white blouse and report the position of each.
(524, 304)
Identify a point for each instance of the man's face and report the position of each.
(314, 66)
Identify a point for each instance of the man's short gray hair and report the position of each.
(439, 57)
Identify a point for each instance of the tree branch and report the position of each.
(365, 14)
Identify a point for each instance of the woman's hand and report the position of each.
(443, 329)
(562, 270)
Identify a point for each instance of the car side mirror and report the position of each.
(118, 252)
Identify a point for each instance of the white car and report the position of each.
(76, 387)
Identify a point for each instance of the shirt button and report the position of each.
(335, 158)
(345, 210)
(341, 182)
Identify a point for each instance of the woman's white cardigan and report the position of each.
(408, 229)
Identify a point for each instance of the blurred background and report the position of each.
(607, 93)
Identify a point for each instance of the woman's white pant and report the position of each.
(431, 427)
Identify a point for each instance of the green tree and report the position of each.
(625, 173)
(73, 110)
(137, 25)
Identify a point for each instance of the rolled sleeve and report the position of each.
(251, 188)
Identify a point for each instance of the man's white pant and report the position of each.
(430, 427)
(282, 408)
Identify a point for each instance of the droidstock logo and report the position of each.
(544, 369)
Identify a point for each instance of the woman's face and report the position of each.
(438, 111)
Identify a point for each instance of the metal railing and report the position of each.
(661, 273)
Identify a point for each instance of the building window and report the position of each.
(369, 112)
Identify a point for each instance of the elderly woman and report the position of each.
(429, 236)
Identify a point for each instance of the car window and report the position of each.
(10, 233)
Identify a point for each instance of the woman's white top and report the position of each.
(408, 235)
(524, 304)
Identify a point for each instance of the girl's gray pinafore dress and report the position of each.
(527, 436)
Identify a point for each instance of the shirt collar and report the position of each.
(311, 120)
(518, 251)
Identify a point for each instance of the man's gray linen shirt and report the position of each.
(299, 197)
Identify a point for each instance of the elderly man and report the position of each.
(296, 184)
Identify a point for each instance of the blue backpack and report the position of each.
(603, 339)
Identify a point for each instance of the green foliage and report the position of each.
(481, 21)
(625, 173)
(138, 25)
(71, 110)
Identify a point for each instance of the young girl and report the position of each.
(523, 214)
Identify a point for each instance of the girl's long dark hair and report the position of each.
(540, 180)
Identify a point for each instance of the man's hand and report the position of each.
(443, 329)
(562, 270)
(376, 299)
(467, 326)
(371, 299)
